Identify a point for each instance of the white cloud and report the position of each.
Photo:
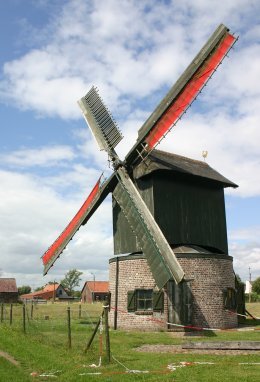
(132, 49)
(43, 156)
(246, 256)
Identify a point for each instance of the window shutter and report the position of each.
(131, 301)
(158, 301)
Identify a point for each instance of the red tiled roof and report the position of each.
(38, 294)
(51, 287)
(45, 293)
(98, 286)
(8, 285)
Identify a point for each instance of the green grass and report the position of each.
(253, 308)
(43, 349)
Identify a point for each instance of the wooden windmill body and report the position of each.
(168, 212)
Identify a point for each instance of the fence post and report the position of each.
(79, 311)
(24, 328)
(69, 327)
(2, 312)
(32, 311)
(11, 314)
(106, 308)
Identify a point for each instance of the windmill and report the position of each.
(160, 257)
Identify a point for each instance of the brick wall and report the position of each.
(208, 276)
(133, 274)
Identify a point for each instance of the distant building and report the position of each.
(248, 287)
(94, 291)
(47, 293)
(8, 290)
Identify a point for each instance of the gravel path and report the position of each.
(177, 349)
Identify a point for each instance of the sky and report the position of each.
(52, 52)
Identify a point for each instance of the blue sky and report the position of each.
(52, 52)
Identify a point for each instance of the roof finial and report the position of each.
(204, 154)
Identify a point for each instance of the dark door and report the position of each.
(180, 303)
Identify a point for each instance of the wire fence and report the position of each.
(59, 323)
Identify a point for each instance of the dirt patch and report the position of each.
(9, 358)
(177, 349)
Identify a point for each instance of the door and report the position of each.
(180, 303)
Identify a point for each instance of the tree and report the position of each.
(256, 286)
(71, 280)
(239, 282)
(25, 289)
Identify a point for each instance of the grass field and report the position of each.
(42, 352)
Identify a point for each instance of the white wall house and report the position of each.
(248, 287)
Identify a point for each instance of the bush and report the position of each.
(254, 297)
(256, 286)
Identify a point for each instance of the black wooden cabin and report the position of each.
(186, 198)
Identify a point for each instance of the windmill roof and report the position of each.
(162, 160)
(8, 285)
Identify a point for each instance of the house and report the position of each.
(49, 292)
(95, 291)
(248, 287)
(8, 290)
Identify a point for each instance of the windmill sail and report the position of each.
(100, 121)
(93, 201)
(189, 92)
(183, 93)
(160, 257)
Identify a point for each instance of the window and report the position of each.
(145, 300)
(230, 300)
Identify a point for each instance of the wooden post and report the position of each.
(106, 307)
(69, 328)
(93, 336)
(94, 332)
(24, 328)
(32, 311)
(116, 293)
(11, 314)
(2, 312)
(54, 292)
(79, 311)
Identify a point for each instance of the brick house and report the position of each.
(47, 293)
(95, 291)
(8, 290)
(186, 198)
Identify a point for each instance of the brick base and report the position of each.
(208, 276)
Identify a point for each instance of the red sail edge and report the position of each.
(189, 92)
(69, 230)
